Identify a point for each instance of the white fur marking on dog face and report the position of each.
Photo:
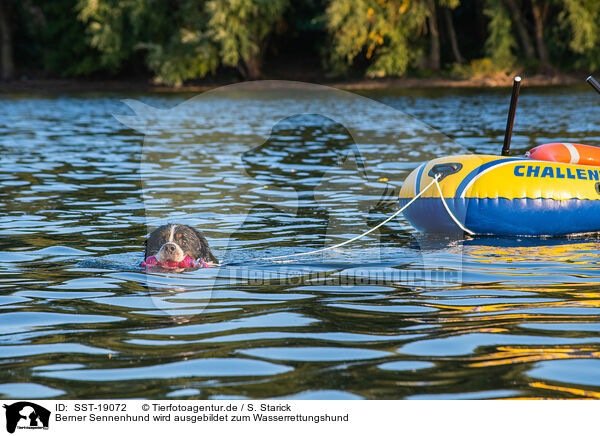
(172, 232)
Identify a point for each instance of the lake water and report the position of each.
(395, 315)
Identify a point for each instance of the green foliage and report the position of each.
(451, 4)
(49, 38)
(185, 56)
(479, 68)
(181, 49)
(180, 40)
(240, 27)
(183, 39)
(582, 17)
(380, 32)
(173, 36)
(110, 28)
(500, 42)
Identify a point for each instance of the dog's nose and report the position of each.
(169, 247)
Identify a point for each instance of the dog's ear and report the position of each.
(209, 257)
(205, 252)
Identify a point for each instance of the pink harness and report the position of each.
(188, 262)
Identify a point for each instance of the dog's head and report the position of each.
(173, 242)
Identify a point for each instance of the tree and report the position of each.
(539, 15)
(384, 34)
(178, 41)
(582, 17)
(500, 42)
(182, 39)
(452, 35)
(110, 29)
(241, 29)
(435, 55)
(54, 39)
(7, 64)
(519, 23)
(170, 37)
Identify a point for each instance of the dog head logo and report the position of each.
(25, 414)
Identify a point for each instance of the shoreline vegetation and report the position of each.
(94, 85)
(194, 45)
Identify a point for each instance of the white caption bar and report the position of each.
(269, 417)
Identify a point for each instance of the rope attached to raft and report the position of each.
(341, 244)
(394, 215)
(456, 221)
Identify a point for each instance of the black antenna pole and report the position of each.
(511, 115)
(593, 83)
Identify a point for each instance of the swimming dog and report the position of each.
(178, 246)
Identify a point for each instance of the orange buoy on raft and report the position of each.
(566, 152)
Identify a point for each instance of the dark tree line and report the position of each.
(174, 41)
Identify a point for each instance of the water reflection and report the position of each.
(396, 316)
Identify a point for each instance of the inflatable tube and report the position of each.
(566, 152)
(497, 195)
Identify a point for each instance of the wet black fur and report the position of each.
(193, 243)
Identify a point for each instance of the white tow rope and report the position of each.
(458, 223)
(394, 215)
(402, 209)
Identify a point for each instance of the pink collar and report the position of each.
(188, 262)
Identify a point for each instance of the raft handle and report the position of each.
(444, 169)
(510, 122)
(594, 84)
